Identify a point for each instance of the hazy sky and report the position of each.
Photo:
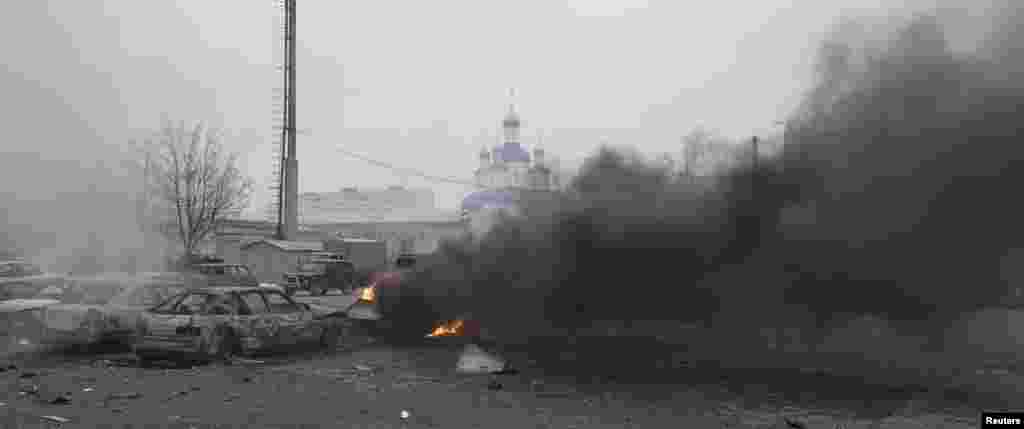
(419, 84)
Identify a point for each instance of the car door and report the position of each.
(124, 309)
(256, 320)
(296, 324)
(175, 321)
(161, 320)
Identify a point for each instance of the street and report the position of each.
(375, 385)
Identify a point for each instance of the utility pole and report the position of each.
(755, 154)
(287, 189)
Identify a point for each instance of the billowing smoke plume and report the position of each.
(895, 195)
(93, 220)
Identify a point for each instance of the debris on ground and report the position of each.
(55, 419)
(362, 368)
(88, 389)
(125, 395)
(405, 414)
(793, 424)
(177, 394)
(243, 361)
(28, 374)
(561, 394)
(418, 378)
(474, 360)
(494, 385)
(64, 399)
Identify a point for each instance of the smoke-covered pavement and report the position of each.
(372, 386)
(892, 197)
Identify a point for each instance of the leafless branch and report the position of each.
(196, 179)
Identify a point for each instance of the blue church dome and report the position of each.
(492, 198)
(512, 152)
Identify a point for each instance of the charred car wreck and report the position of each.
(219, 322)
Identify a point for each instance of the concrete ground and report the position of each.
(415, 386)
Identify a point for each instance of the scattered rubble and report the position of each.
(474, 360)
(125, 395)
(55, 419)
(61, 400)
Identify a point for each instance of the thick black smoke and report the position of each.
(896, 194)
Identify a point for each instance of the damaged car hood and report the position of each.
(15, 305)
(323, 310)
(66, 317)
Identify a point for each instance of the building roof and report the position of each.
(489, 198)
(511, 152)
(385, 216)
(291, 246)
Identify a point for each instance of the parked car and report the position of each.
(320, 273)
(23, 279)
(104, 308)
(226, 274)
(219, 322)
(20, 321)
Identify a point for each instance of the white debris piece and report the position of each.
(474, 360)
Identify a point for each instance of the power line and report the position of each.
(419, 173)
(406, 170)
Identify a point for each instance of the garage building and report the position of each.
(270, 259)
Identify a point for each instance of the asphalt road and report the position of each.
(371, 387)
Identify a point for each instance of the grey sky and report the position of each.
(418, 84)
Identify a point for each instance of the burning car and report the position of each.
(219, 322)
(102, 308)
(23, 279)
(366, 314)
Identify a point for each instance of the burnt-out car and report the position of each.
(20, 322)
(219, 322)
(105, 307)
(20, 279)
(368, 316)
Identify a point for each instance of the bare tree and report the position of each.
(195, 180)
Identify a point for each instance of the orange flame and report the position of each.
(447, 329)
(368, 294)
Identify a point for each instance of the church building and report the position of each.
(505, 172)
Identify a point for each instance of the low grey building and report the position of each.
(270, 259)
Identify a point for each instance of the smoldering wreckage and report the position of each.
(892, 197)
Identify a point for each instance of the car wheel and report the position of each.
(221, 347)
(331, 337)
(94, 327)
